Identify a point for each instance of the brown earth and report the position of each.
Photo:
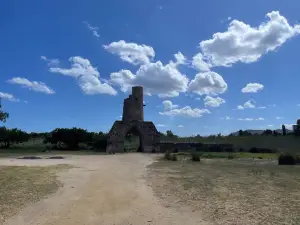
(108, 190)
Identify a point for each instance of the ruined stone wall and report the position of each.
(133, 107)
(133, 116)
(147, 132)
(138, 103)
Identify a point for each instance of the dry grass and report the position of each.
(235, 192)
(21, 185)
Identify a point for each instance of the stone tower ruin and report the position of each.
(133, 122)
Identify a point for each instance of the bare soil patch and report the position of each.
(109, 190)
(231, 192)
(23, 185)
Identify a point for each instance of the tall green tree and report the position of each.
(3, 115)
(283, 130)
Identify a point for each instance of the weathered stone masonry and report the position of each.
(133, 119)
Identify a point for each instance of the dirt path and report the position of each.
(108, 190)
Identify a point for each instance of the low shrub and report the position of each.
(173, 157)
(287, 159)
(209, 156)
(175, 150)
(167, 156)
(230, 156)
(262, 150)
(195, 157)
(229, 149)
(170, 156)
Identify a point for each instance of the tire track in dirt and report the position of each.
(108, 190)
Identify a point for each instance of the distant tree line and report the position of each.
(12, 136)
(60, 138)
(73, 138)
(269, 132)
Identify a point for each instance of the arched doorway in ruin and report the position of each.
(133, 140)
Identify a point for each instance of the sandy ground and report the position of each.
(109, 190)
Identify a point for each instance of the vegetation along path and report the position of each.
(102, 190)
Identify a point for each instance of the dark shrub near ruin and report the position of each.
(287, 159)
(195, 157)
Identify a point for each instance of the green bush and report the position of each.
(230, 156)
(209, 156)
(195, 157)
(170, 156)
(287, 159)
(262, 150)
(173, 157)
(167, 156)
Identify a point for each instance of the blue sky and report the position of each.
(206, 66)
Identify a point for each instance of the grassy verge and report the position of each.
(231, 192)
(21, 185)
(220, 155)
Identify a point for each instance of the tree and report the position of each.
(267, 132)
(283, 130)
(244, 133)
(70, 137)
(12, 136)
(275, 133)
(170, 134)
(241, 132)
(3, 115)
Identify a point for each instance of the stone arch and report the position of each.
(134, 129)
(147, 132)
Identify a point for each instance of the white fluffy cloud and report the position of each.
(169, 105)
(200, 63)
(131, 52)
(289, 126)
(180, 126)
(86, 75)
(243, 43)
(8, 97)
(160, 125)
(209, 83)
(213, 102)
(251, 119)
(32, 85)
(252, 88)
(173, 110)
(93, 29)
(247, 105)
(156, 78)
(180, 58)
(185, 111)
(279, 118)
(51, 62)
